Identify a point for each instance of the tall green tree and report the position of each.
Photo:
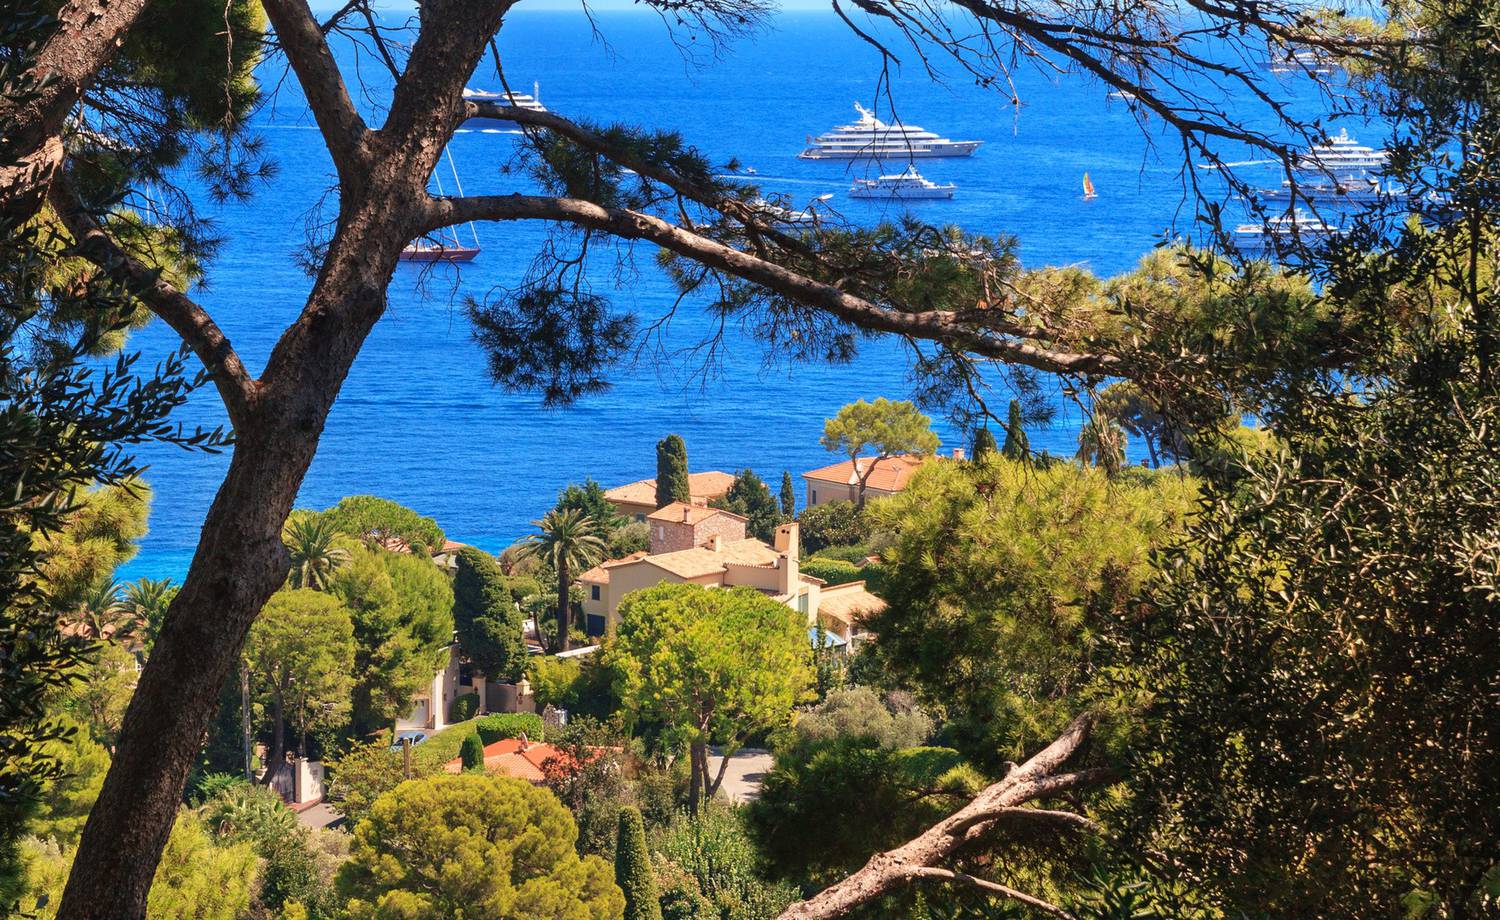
(401, 606)
(486, 616)
(633, 871)
(588, 499)
(1101, 443)
(313, 542)
(885, 428)
(672, 483)
(1016, 446)
(384, 524)
(147, 600)
(983, 444)
(473, 846)
(751, 498)
(1001, 611)
(301, 658)
(788, 497)
(716, 666)
(569, 543)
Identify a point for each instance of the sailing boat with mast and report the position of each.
(446, 247)
(1088, 188)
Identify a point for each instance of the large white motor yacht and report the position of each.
(531, 101)
(1341, 154)
(870, 139)
(1298, 227)
(908, 184)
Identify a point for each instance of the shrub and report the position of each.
(856, 553)
(492, 728)
(440, 747)
(833, 571)
(714, 850)
(463, 707)
(633, 869)
(833, 524)
(471, 752)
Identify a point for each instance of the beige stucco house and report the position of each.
(840, 482)
(638, 499)
(708, 546)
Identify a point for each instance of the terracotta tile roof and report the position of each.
(889, 475)
(848, 602)
(599, 574)
(700, 560)
(683, 513)
(513, 757)
(451, 546)
(703, 487)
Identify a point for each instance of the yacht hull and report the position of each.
(899, 154)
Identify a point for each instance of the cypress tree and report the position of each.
(672, 471)
(471, 752)
(984, 443)
(633, 868)
(788, 496)
(1016, 446)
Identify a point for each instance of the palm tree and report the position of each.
(147, 601)
(1101, 443)
(310, 538)
(101, 613)
(567, 541)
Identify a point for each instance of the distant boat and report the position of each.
(1088, 188)
(443, 251)
(873, 139)
(1282, 231)
(531, 101)
(446, 248)
(1340, 155)
(909, 184)
(1124, 94)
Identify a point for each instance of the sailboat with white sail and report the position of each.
(445, 247)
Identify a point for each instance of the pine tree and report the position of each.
(1016, 446)
(984, 443)
(788, 496)
(672, 471)
(633, 868)
(471, 752)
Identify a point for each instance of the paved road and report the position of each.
(747, 768)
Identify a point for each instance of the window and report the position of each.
(595, 625)
(640, 517)
(815, 497)
(594, 592)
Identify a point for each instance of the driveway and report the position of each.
(747, 768)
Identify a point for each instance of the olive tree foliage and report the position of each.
(715, 666)
(474, 846)
(1005, 581)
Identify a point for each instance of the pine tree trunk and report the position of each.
(276, 756)
(696, 754)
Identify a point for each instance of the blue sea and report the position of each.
(418, 420)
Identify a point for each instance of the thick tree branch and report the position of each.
(427, 104)
(189, 320)
(307, 50)
(921, 856)
(32, 121)
(998, 339)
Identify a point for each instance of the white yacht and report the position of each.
(794, 217)
(1340, 155)
(1298, 227)
(870, 138)
(1300, 60)
(904, 185)
(531, 101)
(1359, 186)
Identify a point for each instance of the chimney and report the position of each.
(716, 543)
(958, 453)
(686, 510)
(786, 548)
(787, 538)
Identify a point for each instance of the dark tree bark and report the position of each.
(31, 149)
(562, 605)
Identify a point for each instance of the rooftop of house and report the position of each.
(513, 757)
(848, 602)
(888, 475)
(704, 560)
(599, 574)
(703, 487)
(684, 513)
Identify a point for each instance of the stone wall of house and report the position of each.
(671, 536)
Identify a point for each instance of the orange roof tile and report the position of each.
(703, 487)
(513, 757)
(848, 602)
(599, 574)
(701, 560)
(888, 475)
(683, 513)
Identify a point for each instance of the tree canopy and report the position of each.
(672, 483)
(383, 523)
(885, 428)
(714, 665)
(474, 846)
(486, 616)
(751, 498)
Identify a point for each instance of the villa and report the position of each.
(888, 476)
(637, 500)
(515, 757)
(709, 546)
